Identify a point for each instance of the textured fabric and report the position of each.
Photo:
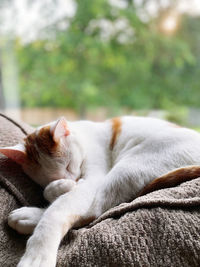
(159, 229)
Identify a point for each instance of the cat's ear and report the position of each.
(16, 153)
(60, 129)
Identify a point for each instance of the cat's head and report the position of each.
(50, 153)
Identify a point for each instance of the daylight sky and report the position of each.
(26, 20)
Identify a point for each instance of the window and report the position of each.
(101, 58)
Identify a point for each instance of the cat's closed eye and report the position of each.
(68, 167)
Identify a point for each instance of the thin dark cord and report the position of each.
(14, 122)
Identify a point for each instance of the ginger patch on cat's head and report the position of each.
(40, 141)
(46, 140)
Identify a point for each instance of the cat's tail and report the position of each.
(172, 179)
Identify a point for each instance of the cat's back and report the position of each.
(145, 129)
(152, 140)
(133, 126)
(147, 126)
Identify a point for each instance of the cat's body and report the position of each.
(90, 167)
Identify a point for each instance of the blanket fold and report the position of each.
(186, 195)
(159, 229)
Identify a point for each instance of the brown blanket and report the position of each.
(159, 229)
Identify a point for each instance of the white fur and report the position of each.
(146, 149)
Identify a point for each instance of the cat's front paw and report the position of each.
(37, 260)
(38, 254)
(58, 188)
(25, 219)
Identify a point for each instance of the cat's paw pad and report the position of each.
(25, 219)
(58, 188)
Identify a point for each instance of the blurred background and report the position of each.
(97, 59)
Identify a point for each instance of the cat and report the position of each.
(87, 168)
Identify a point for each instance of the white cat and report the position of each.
(87, 168)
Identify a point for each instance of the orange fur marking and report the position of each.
(76, 221)
(84, 221)
(43, 140)
(172, 179)
(116, 130)
(174, 125)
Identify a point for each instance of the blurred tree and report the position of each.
(109, 55)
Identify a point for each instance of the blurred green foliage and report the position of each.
(137, 66)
